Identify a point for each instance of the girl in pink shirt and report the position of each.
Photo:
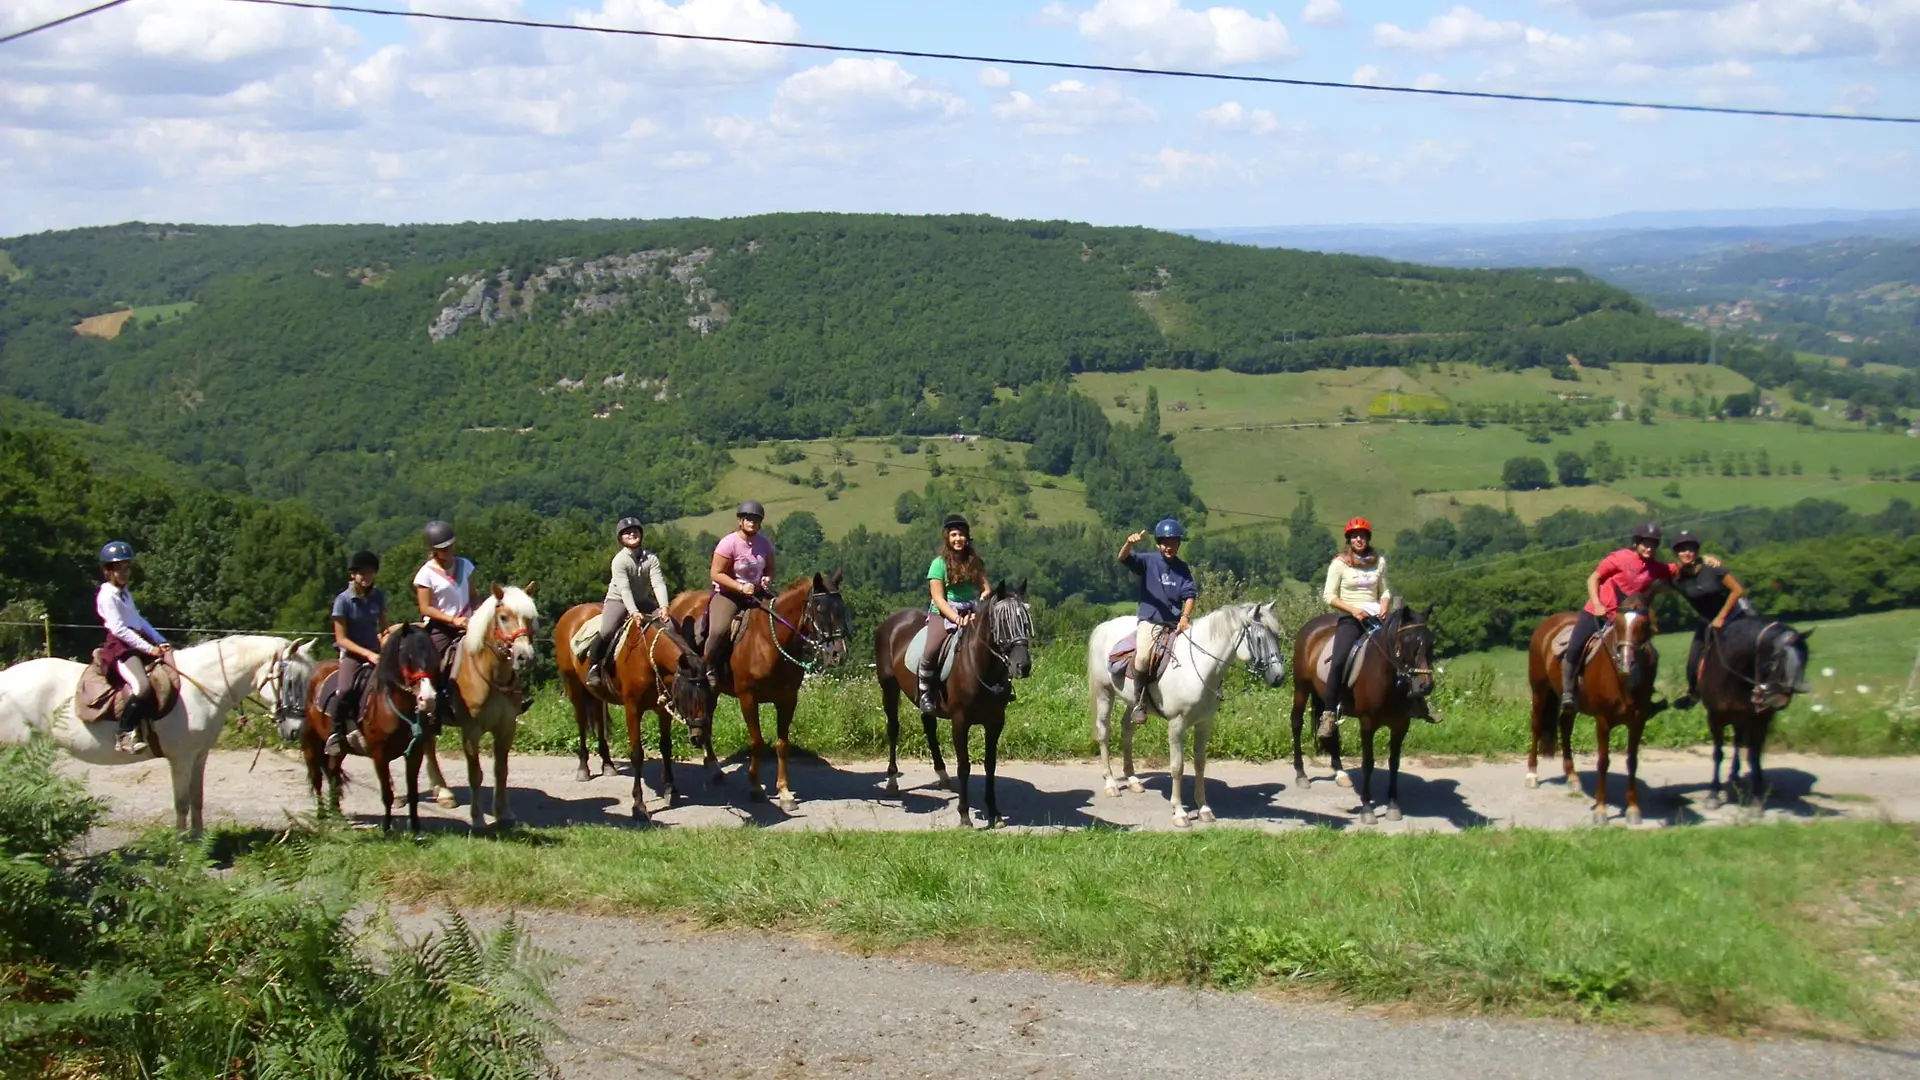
(741, 571)
(1625, 572)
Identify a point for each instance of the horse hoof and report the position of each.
(1206, 813)
(1393, 813)
(1134, 785)
(581, 775)
(1600, 818)
(945, 781)
(1181, 821)
(756, 794)
(1533, 780)
(1113, 789)
(994, 822)
(1300, 779)
(640, 817)
(445, 797)
(1367, 818)
(789, 802)
(1713, 802)
(1633, 816)
(1341, 778)
(893, 786)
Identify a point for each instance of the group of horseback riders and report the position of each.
(742, 569)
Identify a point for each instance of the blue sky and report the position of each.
(204, 110)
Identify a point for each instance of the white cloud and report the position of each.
(1323, 13)
(1165, 32)
(1233, 116)
(1432, 80)
(866, 92)
(1071, 107)
(1171, 166)
(1055, 14)
(1367, 75)
(1461, 28)
(995, 77)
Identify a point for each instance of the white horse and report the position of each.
(494, 657)
(37, 696)
(1187, 694)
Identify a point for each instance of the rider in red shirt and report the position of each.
(1623, 573)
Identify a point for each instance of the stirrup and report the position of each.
(1329, 719)
(130, 742)
(336, 745)
(928, 698)
(356, 742)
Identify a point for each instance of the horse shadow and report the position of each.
(1788, 792)
(532, 808)
(1247, 802)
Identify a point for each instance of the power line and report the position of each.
(62, 21)
(1063, 65)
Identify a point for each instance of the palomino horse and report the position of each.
(984, 667)
(1616, 689)
(806, 628)
(657, 669)
(1390, 681)
(1751, 669)
(494, 655)
(398, 709)
(37, 696)
(1187, 693)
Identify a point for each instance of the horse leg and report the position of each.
(1757, 780)
(470, 746)
(1604, 735)
(637, 756)
(1366, 774)
(1719, 753)
(600, 722)
(1102, 729)
(750, 712)
(1136, 707)
(1545, 705)
(668, 789)
(1396, 737)
(1300, 697)
(502, 801)
(582, 720)
(1176, 768)
(1340, 777)
(1633, 771)
(992, 759)
(1566, 748)
(380, 769)
(197, 803)
(412, 764)
(960, 767)
(1202, 730)
(782, 729)
(890, 704)
(931, 723)
(442, 794)
(182, 777)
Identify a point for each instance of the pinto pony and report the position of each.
(1391, 679)
(656, 669)
(1616, 689)
(397, 711)
(1750, 670)
(988, 654)
(806, 627)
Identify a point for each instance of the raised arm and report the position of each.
(1735, 591)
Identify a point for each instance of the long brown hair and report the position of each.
(964, 565)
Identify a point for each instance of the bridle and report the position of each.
(1256, 646)
(1762, 680)
(1009, 620)
(810, 642)
(1621, 626)
(1404, 670)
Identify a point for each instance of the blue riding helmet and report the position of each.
(116, 551)
(1169, 529)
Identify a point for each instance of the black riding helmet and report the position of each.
(363, 560)
(956, 521)
(439, 534)
(629, 522)
(1685, 538)
(1647, 531)
(751, 508)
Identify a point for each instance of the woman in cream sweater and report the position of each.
(1357, 589)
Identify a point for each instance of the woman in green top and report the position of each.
(955, 579)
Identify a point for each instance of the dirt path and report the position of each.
(1436, 796)
(647, 1000)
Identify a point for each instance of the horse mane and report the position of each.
(409, 647)
(516, 601)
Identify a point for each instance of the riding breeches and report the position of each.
(720, 612)
(1587, 625)
(1345, 632)
(1147, 637)
(134, 674)
(345, 701)
(938, 630)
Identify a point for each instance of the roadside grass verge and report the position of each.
(1804, 928)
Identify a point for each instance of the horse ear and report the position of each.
(498, 592)
(304, 650)
(1022, 590)
(819, 582)
(528, 588)
(833, 582)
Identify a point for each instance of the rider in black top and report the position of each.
(1716, 595)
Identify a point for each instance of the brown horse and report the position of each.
(1392, 677)
(1749, 670)
(988, 654)
(656, 669)
(805, 630)
(397, 724)
(1616, 689)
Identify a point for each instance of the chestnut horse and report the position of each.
(1750, 670)
(397, 724)
(805, 630)
(657, 669)
(989, 653)
(1616, 689)
(1392, 677)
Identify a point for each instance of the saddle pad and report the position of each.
(917, 651)
(734, 632)
(582, 640)
(330, 689)
(101, 697)
(1323, 659)
(1120, 658)
(1565, 635)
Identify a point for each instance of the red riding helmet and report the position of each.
(1358, 524)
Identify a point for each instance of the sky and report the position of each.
(213, 111)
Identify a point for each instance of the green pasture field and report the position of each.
(8, 270)
(163, 312)
(1530, 506)
(1765, 928)
(869, 497)
(1225, 399)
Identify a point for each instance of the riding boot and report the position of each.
(596, 663)
(1692, 697)
(337, 713)
(1570, 685)
(130, 740)
(929, 697)
(1328, 720)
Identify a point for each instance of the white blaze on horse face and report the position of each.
(424, 694)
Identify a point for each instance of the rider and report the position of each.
(1718, 597)
(1166, 596)
(955, 580)
(359, 619)
(443, 588)
(632, 565)
(1356, 588)
(1622, 573)
(132, 642)
(741, 570)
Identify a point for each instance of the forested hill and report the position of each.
(383, 373)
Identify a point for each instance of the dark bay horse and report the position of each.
(1616, 689)
(398, 721)
(806, 630)
(656, 670)
(1392, 677)
(1750, 670)
(989, 653)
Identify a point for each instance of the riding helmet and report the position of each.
(629, 522)
(1169, 529)
(1648, 531)
(956, 521)
(751, 508)
(363, 560)
(116, 551)
(439, 534)
(1358, 524)
(1685, 538)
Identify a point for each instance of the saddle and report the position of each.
(583, 638)
(102, 696)
(1559, 647)
(917, 651)
(330, 691)
(734, 630)
(1120, 658)
(1323, 658)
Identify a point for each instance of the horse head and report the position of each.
(1010, 628)
(508, 620)
(407, 664)
(1633, 630)
(692, 697)
(1412, 652)
(285, 685)
(1780, 663)
(828, 624)
(1260, 647)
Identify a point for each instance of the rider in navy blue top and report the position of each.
(1166, 584)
